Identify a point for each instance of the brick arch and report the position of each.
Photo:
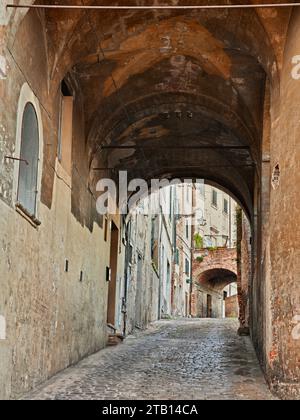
(217, 278)
(218, 268)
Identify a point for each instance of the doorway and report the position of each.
(111, 303)
(209, 306)
(186, 304)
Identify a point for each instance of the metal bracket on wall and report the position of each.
(18, 159)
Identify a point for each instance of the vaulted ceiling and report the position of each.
(171, 93)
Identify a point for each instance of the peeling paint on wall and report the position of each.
(296, 329)
(2, 328)
(3, 68)
(276, 177)
(3, 13)
(6, 167)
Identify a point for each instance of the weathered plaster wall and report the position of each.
(181, 286)
(52, 319)
(166, 257)
(200, 302)
(143, 282)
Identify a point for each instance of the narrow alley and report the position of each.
(149, 172)
(174, 360)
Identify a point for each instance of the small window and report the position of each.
(29, 154)
(171, 204)
(187, 267)
(187, 230)
(105, 229)
(201, 188)
(214, 201)
(226, 206)
(64, 149)
(177, 256)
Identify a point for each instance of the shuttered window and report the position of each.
(28, 170)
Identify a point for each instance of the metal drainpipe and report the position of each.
(174, 221)
(229, 233)
(127, 253)
(160, 265)
(192, 247)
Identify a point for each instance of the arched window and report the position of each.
(29, 155)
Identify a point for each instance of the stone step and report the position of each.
(115, 339)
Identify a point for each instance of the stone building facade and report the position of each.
(146, 263)
(182, 273)
(213, 271)
(215, 232)
(217, 226)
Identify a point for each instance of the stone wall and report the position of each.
(200, 304)
(52, 318)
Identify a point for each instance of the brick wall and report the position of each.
(232, 307)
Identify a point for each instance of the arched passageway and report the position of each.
(209, 292)
(160, 94)
(213, 271)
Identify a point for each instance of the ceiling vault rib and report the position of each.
(154, 7)
(248, 165)
(178, 147)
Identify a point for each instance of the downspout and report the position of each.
(192, 247)
(127, 253)
(230, 222)
(160, 266)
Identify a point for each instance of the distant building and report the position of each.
(217, 224)
(215, 228)
(182, 274)
(159, 248)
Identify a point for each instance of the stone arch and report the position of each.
(216, 279)
(221, 259)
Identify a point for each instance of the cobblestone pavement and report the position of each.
(183, 359)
